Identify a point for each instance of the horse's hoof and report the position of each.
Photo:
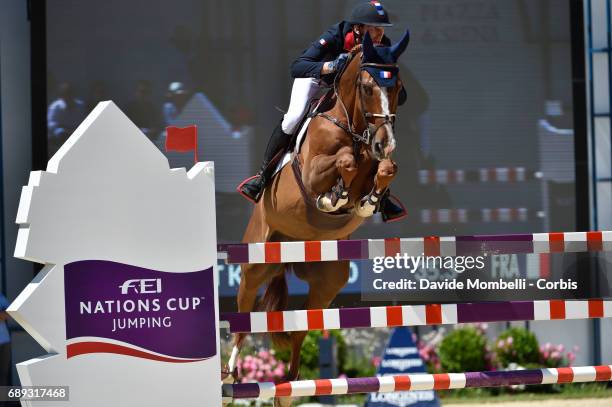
(283, 402)
(324, 202)
(366, 207)
(227, 377)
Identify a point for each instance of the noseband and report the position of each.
(367, 136)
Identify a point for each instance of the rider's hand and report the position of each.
(337, 64)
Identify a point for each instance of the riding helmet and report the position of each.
(370, 13)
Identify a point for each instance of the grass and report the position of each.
(564, 392)
(499, 395)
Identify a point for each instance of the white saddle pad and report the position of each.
(298, 145)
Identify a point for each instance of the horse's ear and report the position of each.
(369, 53)
(398, 48)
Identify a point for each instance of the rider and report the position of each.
(316, 69)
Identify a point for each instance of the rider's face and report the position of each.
(376, 33)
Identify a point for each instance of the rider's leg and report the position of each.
(302, 92)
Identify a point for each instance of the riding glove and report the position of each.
(337, 64)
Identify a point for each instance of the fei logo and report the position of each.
(141, 286)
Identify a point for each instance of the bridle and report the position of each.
(368, 134)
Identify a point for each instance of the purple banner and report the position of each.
(162, 312)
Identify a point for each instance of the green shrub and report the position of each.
(517, 345)
(357, 366)
(463, 350)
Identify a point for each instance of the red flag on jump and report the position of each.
(182, 139)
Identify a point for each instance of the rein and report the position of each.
(371, 128)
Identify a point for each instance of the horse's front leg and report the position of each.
(332, 177)
(387, 170)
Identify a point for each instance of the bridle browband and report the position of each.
(371, 128)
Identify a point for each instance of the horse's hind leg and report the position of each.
(385, 173)
(325, 280)
(252, 277)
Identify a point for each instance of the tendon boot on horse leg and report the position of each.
(370, 203)
(346, 166)
(252, 188)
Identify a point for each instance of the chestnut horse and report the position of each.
(335, 181)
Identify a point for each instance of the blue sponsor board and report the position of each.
(401, 356)
(361, 276)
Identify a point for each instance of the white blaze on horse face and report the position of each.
(384, 105)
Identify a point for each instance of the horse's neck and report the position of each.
(347, 103)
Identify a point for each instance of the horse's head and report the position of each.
(378, 87)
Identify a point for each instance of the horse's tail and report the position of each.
(276, 298)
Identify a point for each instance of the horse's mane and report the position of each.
(352, 53)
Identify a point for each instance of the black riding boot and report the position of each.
(389, 210)
(252, 188)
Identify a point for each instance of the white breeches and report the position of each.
(304, 89)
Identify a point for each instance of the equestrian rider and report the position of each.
(313, 70)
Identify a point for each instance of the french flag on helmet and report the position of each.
(379, 7)
(386, 74)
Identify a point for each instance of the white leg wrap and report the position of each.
(365, 209)
(324, 202)
(232, 360)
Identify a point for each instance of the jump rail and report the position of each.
(389, 384)
(413, 315)
(362, 249)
